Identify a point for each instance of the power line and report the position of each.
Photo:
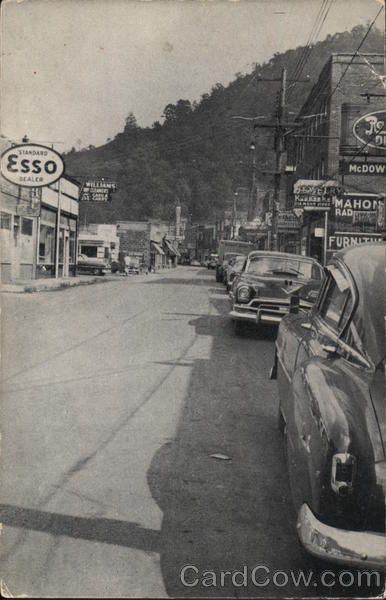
(356, 52)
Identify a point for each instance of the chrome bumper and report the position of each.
(356, 548)
(255, 316)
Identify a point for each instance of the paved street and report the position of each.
(114, 399)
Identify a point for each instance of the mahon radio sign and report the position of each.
(31, 165)
(370, 130)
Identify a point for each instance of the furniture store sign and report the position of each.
(343, 239)
(31, 165)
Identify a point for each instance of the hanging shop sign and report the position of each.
(363, 132)
(356, 208)
(370, 129)
(97, 191)
(362, 167)
(315, 194)
(31, 165)
(343, 239)
(288, 221)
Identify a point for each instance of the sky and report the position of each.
(72, 70)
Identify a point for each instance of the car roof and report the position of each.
(281, 255)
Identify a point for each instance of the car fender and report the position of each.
(332, 419)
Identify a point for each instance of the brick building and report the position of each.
(342, 138)
(149, 241)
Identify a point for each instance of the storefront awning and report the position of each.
(172, 250)
(157, 248)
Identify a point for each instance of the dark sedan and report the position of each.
(264, 288)
(330, 366)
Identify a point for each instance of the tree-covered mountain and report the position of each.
(199, 155)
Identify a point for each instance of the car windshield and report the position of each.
(283, 266)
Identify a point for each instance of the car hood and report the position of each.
(283, 287)
(99, 262)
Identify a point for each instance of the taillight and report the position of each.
(343, 473)
(243, 293)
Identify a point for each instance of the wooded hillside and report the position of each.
(198, 154)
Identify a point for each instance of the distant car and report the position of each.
(195, 263)
(266, 284)
(91, 266)
(330, 367)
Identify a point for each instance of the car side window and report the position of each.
(336, 305)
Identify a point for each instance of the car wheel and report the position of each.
(239, 327)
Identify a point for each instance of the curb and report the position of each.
(31, 288)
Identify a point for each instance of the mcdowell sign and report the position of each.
(362, 167)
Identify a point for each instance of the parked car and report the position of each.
(195, 263)
(267, 282)
(330, 367)
(91, 266)
(234, 268)
(212, 261)
(221, 267)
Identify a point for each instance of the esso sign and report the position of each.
(31, 165)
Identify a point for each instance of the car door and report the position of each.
(307, 443)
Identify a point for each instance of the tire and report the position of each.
(239, 327)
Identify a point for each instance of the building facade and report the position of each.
(99, 240)
(341, 138)
(38, 229)
(149, 241)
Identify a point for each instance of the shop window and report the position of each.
(5, 220)
(46, 244)
(48, 216)
(90, 251)
(26, 226)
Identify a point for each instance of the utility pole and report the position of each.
(252, 195)
(279, 149)
(280, 128)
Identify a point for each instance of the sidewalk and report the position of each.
(42, 285)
